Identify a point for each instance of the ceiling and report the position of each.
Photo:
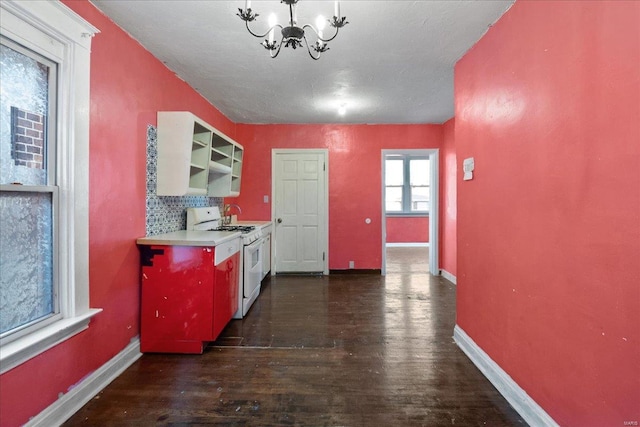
(393, 62)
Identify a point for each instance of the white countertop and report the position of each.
(189, 238)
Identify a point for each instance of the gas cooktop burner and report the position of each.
(241, 228)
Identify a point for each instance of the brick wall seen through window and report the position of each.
(27, 142)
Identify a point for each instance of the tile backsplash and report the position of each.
(167, 213)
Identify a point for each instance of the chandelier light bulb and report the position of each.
(272, 23)
(273, 20)
(320, 23)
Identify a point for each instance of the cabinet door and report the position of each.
(225, 301)
(177, 299)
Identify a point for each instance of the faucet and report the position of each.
(227, 210)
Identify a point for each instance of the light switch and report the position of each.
(266, 198)
(468, 165)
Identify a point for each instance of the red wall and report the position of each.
(128, 87)
(407, 229)
(448, 200)
(355, 156)
(549, 228)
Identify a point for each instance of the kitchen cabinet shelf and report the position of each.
(227, 156)
(194, 158)
(220, 158)
(197, 180)
(215, 167)
(221, 144)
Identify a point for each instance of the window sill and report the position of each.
(19, 351)
(407, 214)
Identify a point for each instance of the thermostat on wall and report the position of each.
(467, 167)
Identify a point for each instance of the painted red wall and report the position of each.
(411, 229)
(549, 228)
(448, 199)
(355, 156)
(128, 87)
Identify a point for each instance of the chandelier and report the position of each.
(293, 35)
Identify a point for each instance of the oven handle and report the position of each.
(255, 245)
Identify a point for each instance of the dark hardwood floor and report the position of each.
(338, 350)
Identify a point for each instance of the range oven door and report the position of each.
(252, 268)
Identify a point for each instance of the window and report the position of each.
(407, 184)
(28, 198)
(44, 133)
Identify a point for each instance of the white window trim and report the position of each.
(55, 31)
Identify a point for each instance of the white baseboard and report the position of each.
(528, 409)
(408, 245)
(69, 403)
(450, 277)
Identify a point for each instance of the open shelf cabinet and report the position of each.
(194, 158)
(224, 167)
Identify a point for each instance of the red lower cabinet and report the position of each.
(188, 297)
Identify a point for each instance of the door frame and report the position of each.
(325, 196)
(434, 211)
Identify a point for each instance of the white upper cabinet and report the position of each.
(225, 167)
(194, 158)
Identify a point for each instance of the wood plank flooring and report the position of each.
(411, 259)
(338, 350)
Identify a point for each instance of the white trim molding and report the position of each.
(54, 31)
(528, 409)
(450, 277)
(407, 245)
(68, 404)
(434, 156)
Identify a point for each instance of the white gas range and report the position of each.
(253, 257)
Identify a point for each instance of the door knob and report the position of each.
(279, 220)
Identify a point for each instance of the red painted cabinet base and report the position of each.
(186, 300)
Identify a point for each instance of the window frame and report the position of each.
(52, 30)
(406, 185)
(50, 186)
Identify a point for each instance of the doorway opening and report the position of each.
(410, 211)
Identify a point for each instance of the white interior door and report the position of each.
(300, 211)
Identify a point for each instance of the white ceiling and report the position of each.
(393, 62)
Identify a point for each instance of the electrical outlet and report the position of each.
(352, 264)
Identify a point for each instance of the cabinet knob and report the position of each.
(279, 220)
